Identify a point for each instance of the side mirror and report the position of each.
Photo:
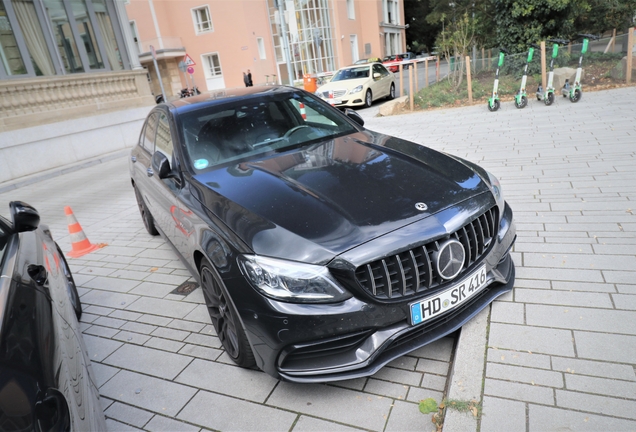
(354, 116)
(161, 165)
(23, 216)
(377, 75)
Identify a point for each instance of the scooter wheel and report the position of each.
(494, 107)
(523, 103)
(538, 98)
(548, 99)
(576, 96)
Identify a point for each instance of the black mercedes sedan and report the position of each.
(324, 250)
(46, 381)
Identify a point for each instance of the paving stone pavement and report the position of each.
(560, 351)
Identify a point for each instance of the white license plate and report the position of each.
(454, 296)
(334, 101)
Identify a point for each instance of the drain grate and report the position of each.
(185, 288)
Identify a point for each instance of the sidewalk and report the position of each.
(561, 349)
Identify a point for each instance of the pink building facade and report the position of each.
(276, 40)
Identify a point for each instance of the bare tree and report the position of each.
(453, 42)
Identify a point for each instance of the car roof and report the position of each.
(219, 97)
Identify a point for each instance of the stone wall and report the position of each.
(43, 100)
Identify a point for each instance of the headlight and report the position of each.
(291, 281)
(356, 90)
(495, 186)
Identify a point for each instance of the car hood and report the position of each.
(314, 202)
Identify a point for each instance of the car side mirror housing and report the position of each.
(354, 116)
(377, 75)
(23, 216)
(161, 165)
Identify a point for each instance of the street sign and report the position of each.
(187, 60)
(153, 52)
(190, 70)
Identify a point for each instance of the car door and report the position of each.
(383, 84)
(164, 191)
(141, 157)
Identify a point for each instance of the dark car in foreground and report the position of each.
(324, 250)
(46, 382)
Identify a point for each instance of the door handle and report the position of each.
(150, 172)
(133, 158)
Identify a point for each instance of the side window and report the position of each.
(148, 139)
(381, 69)
(163, 141)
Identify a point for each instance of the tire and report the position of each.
(539, 98)
(548, 99)
(391, 95)
(73, 295)
(146, 217)
(368, 99)
(523, 103)
(576, 96)
(495, 106)
(225, 318)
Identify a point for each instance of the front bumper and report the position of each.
(353, 100)
(309, 343)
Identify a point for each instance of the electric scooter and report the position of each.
(493, 102)
(521, 98)
(547, 96)
(574, 91)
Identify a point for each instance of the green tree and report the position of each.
(454, 42)
(521, 22)
(605, 15)
(421, 34)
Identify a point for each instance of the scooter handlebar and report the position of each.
(535, 46)
(504, 50)
(559, 41)
(588, 36)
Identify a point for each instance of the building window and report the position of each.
(80, 35)
(392, 12)
(212, 65)
(261, 48)
(351, 12)
(10, 56)
(202, 20)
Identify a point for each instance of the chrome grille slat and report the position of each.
(401, 273)
(370, 273)
(388, 288)
(412, 271)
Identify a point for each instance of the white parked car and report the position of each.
(358, 85)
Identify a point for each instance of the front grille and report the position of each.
(413, 271)
(336, 93)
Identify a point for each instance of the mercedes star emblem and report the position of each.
(421, 206)
(450, 259)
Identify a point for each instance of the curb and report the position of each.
(467, 372)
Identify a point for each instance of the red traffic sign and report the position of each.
(190, 70)
(187, 60)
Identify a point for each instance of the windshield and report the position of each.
(218, 134)
(351, 73)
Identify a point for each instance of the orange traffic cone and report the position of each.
(79, 242)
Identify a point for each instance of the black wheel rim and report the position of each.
(221, 313)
